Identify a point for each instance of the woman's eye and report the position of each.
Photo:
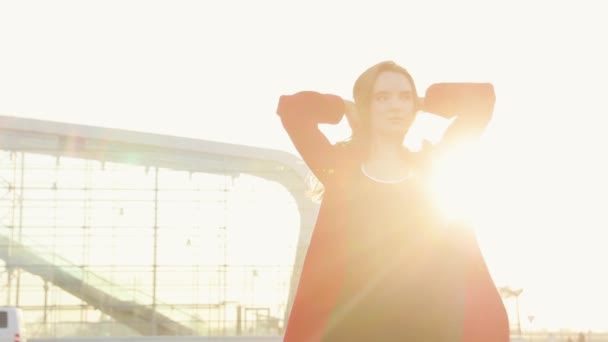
(381, 98)
(405, 96)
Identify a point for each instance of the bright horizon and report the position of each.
(214, 71)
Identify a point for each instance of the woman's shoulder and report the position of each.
(347, 149)
(349, 154)
(423, 157)
(347, 160)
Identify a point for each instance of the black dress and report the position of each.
(404, 275)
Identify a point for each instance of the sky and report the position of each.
(214, 70)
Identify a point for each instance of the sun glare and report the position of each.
(457, 183)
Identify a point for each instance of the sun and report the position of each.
(456, 182)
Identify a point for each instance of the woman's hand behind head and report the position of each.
(352, 115)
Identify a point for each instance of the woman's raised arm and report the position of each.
(471, 103)
(301, 113)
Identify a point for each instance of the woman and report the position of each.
(382, 265)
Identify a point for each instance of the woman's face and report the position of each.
(393, 105)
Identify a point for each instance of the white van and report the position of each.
(12, 328)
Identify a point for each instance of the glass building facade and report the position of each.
(107, 232)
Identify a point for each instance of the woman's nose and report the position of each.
(397, 104)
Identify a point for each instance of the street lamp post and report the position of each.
(507, 292)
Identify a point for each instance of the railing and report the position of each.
(129, 299)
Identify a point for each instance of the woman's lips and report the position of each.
(396, 120)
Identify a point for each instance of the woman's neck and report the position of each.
(386, 149)
(386, 159)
